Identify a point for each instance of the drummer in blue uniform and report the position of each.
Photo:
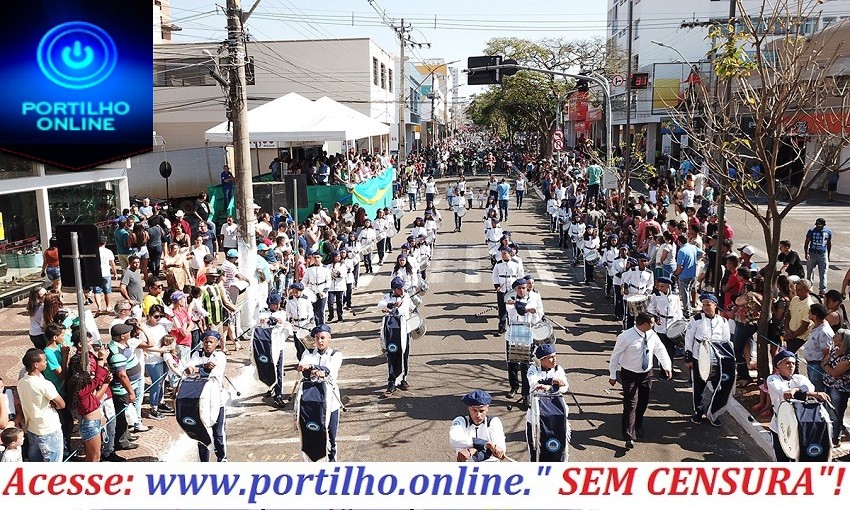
(477, 437)
(548, 377)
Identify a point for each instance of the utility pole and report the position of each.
(721, 197)
(237, 100)
(627, 164)
(401, 29)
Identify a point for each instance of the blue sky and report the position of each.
(462, 26)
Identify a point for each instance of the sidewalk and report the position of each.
(14, 341)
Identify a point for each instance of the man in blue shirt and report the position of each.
(818, 246)
(686, 271)
(227, 180)
(122, 247)
(502, 190)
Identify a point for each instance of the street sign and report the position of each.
(558, 140)
(89, 254)
(618, 80)
(165, 169)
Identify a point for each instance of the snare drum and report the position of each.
(592, 257)
(303, 336)
(520, 344)
(810, 443)
(416, 326)
(676, 329)
(398, 214)
(543, 333)
(636, 304)
(460, 211)
(708, 361)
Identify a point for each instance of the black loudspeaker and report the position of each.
(271, 195)
(87, 241)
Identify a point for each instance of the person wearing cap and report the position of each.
(632, 354)
(590, 252)
(504, 274)
(666, 307)
(211, 363)
(216, 301)
(545, 376)
(609, 254)
(338, 284)
(477, 437)
(127, 372)
(521, 312)
(785, 385)
(395, 336)
(575, 233)
(273, 316)
(817, 248)
(299, 313)
(322, 364)
(747, 252)
(638, 280)
(317, 278)
(230, 273)
(616, 270)
(703, 328)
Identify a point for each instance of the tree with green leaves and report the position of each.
(780, 101)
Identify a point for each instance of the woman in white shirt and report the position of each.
(665, 255)
(368, 240)
(336, 291)
(405, 271)
(349, 277)
(590, 248)
(353, 248)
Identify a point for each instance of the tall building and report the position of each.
(684, 26)
(162, 25)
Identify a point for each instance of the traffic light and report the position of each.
(582, 85)
(640, 81)
(491, 77)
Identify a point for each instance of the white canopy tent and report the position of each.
(294, 118)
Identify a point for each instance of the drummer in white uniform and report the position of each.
(703, 327)
(667, 309)
(520, 312)
(211, 363)
(323, 363)
(638, 281)
(477, 437)
(785, 385)
(273, 316)
(458, 205)
(299, 313)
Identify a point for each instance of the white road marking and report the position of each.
(544, 276)
(292, 440)
(471, 269)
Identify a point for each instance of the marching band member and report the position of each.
(494, 233)
(616, 271)
(520, 311)
(368, 239)
(633, 354)
(397, 205)
(323, 363)
(404, 271)
(382, 230)
(458, 204)
(395, 337)
(317, 278)
(210, 363)
(608, 257)
(504, 274)
(563, 218)
(338, 285)
(636, 281)
(477, 437)
(533, 295)
(430, 228)
(423, 256)
(275, 317)
(418, 227)
(354, 249)
(576, 234)
(299, 313)
(785, 385)
(666, 308)
(590, 247)
(704, 328)
(548, 377)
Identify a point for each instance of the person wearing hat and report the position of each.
(299, 313)
(590, 252)
(527, 312)
(504, 274)
(786, 385)
(638, 280)
(817, 248)
(666, 307)
(216, 302)
(210, 363)
(477, 437)
(704, 328)
(616, 270)
(338, 284)
(179, 220)
(610, 253)
(317, 278)
(273, 316)
(575, 233)
(395, 336)
(230, 273)
(126, 371)
(492, 232)
(632, 354)
(322, 363)
(382, 226)
(545, 376)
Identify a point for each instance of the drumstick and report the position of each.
(238, 393)
(508, 458)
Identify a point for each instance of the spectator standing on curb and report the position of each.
(818, 247)
(40, 402)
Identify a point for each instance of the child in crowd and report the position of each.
(482, 198)
(172, 361)
(12, 439)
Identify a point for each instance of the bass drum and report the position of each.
(543, 333)
(460, 211)
(805, 431)
(636, 304)
(520, 344)
(416, 326)
(197, 406)
(676, 331)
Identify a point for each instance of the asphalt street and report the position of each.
(461, 352)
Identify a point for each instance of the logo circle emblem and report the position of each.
(724, 377)
(77, 55)
(313, 426)
(188, 420)
(814, 450)
(553, 445)
(392, 348)
(262, 358)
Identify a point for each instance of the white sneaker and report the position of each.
(140, 427)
